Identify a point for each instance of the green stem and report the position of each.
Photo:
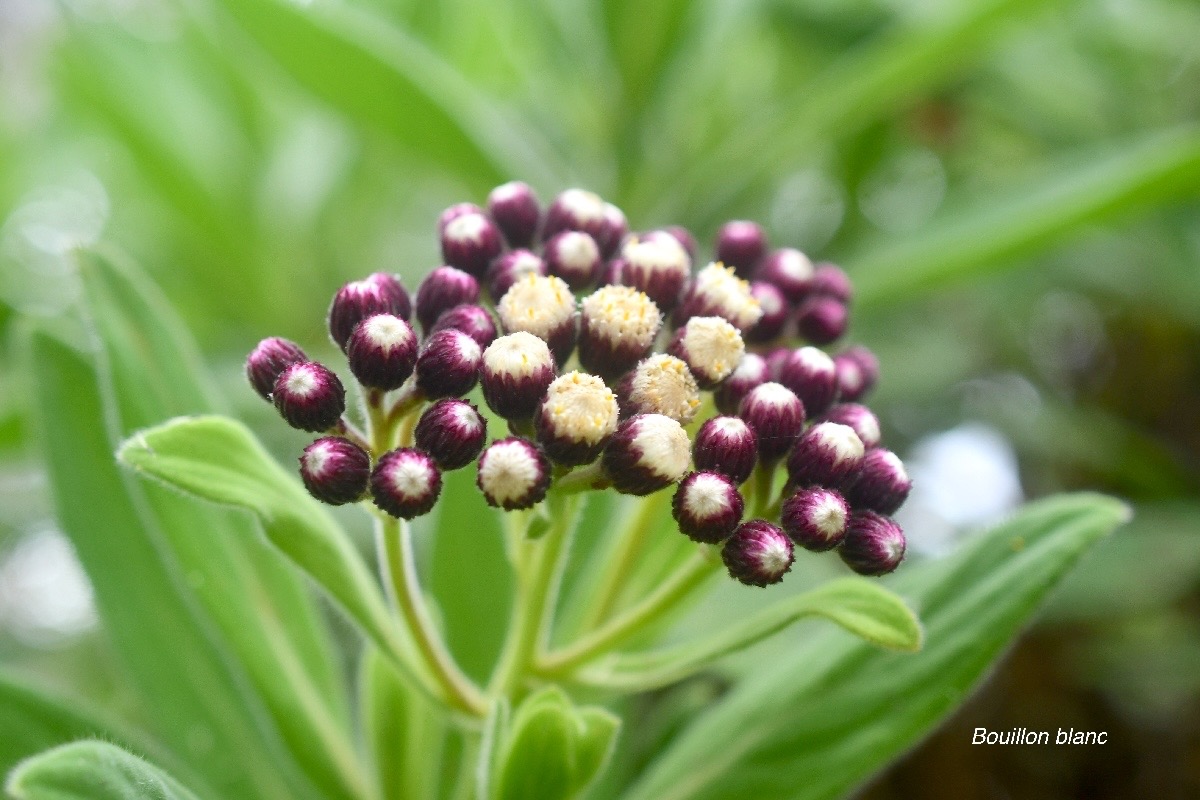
(619, 563)
(468, 767)
(764, 480)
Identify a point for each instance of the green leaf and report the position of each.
(865, 609)
(594, 745)
(405, 733)
(840, 709)
(93, 771)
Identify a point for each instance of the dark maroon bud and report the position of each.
(828, 454)
(545, 307)
(378, 293)
(510, 268)
(576, 210)
(788, 270)
(874, 544)
(830, 280)
(517, 212)
(335, 470)
(857, 371)
(657, 264)
(660, 384)
(822, 320)
(711, 347)
(576, 419)
(454, 212)
(309, 396)
(776, 311)
(448, 365)
(452, 431)
(613, 231)
(382, 352)
(612, 271)
(707, 507)
(574, 257)
(882, 483)
(815, 518)
(616, 331)
(267, 362)
(777, 417)
(860, 418)
(716, 291)
(470, 242)
(472, 320)
(406, 483)
(751, 372)
(647, 453)
(726, 445)
(741, 245)
(443, 289)
(810, 373)
(758, 553)
(685, 238)
(775, 359)
(517, 369)
(513, 473)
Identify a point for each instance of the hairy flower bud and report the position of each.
(452, 431)
(267, 362)
(378, 293)
(788, 270)
(470, 241)
(517, 370)
(777, 417)
(860, 418)
(613, 231)
(758, 553)
(510, 268)
(454, 212)
(448, 365)
(472, 320)
(406, 483)
(815, 518)
(707, 507)
(822, 320)
(711, 347)
(741, 245)
(874, 544)
(382, 352)
(309, 396)
(775, 312)
(857, 372)
(577, 418)
(830, 280)
(513, 473)
(443, 289)
(517, 212)
(657, 264)
(576, 210)
(335, 470)
(647, 453)
(575, 257)
(828, 454)
(617, 329)
(660, 384)
(751, 372)
(717, 292)
(545, 307)
(811, 374)
(726, 445)
(882, 483)
(776, 357)
(684, 237)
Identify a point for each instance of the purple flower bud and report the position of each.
(830, 280)
(617, 330)
(443, 289)
(576, 210)
(613, 231)
(815, 518)
(309, 396)
(510, 268)
(545, 307)
(517, 370)
(741, 245)
(758, 553)
(810, 373)
(858, 417)
(660, 384)
(513, 473)
(611, 272)
(382, 352)
(470, 242)
(448, 365)
(777, 417)
(788, 270)
(574, 257)
(711, 347)
(707, 507)
(267, 362)
(726, 445)
(577, 418)
(335, 470)
(452, 431)
(647, 453)
(828, 454)
(822, 320)
(657, 264)
(717, 292)
(874, 544)
(684, 237)
(406, 483)
(378, 293)
(882, 483)
(857, 372)
(516, 210)
(775, 359)
(454, 212)
(776, 311)
(751, 372)
(472, 320)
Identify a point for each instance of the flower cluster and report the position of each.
(600, 349)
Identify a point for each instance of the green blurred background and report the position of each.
(1014, 186)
